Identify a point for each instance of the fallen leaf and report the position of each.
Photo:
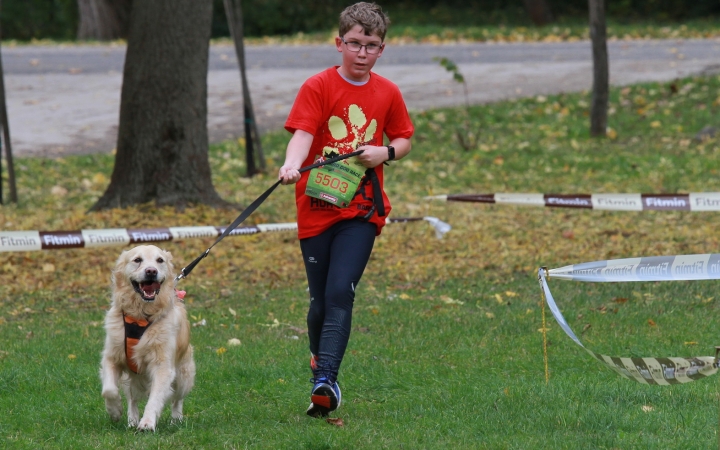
(651, 322)
(58, 191)
(450, 301)
(338, 422)
(234, 342)
(72, 357)
(221, 350)
(232, 312)
(99, 178)
(568, 234)
(499, 298)
(510, 294)
(647, 408)
(489, 315)
(620, 300)
(690, 343)
(48, 267)
(201, 323)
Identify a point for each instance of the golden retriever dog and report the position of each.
(147, 344)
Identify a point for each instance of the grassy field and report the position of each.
(446, 350)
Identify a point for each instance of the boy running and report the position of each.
(342, 206)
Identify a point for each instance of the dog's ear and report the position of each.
(119, 265)
(168, 259)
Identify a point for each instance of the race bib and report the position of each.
(335, 183)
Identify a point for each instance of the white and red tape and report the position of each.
(655, 371)
(23, 241)
(694, 201)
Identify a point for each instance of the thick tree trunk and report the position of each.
(539, 11)
(601, 79)
(162, 150)
(103, 19)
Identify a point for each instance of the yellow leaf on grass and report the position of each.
(404, 296)
(99, 178)
(71, 357)
(221, 350)
(232, 312)
(499, 298)
(58, 191)
(450, 301)
(510, 294)
(489, 315)
(690, 343)
(48, 267)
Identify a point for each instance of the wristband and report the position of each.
(391, 152)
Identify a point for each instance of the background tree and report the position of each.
(162, 149)
(103, 19)
(601, 83)
(253, 144)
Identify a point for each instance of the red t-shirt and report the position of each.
(341, 116)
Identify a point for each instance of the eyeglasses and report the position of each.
(355, 47)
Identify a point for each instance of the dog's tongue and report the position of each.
(150, 288)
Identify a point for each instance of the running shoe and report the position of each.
(325, 398)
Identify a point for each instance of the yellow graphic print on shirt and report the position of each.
(336, 183)
(350, 133)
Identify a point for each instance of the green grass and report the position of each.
(446, 350)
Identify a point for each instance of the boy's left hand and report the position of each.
(372, 155)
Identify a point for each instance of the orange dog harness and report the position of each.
(134, 329)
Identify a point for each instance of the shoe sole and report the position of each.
(323, 402)
(317, 411)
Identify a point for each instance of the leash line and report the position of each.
(253, 206)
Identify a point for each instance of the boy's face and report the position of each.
(356, 65)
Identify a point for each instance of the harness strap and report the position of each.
(134, 330)
(378, 204)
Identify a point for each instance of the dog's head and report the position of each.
(145, 269)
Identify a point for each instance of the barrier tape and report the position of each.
(653, 371)
(23, 241)
(694, 201)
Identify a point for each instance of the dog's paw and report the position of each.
(113, 406)
(146, 424)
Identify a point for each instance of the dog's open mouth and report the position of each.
(147, 289)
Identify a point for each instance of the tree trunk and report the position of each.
(162, 149)
(601, 83)
(233, 11)
(103, 20)
(4, 122)
(539, 11)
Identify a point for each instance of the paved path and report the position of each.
(64, 100)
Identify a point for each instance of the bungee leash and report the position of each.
(253, 206)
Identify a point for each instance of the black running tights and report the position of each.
(334, 262)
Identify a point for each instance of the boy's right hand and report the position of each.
(288, 174)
